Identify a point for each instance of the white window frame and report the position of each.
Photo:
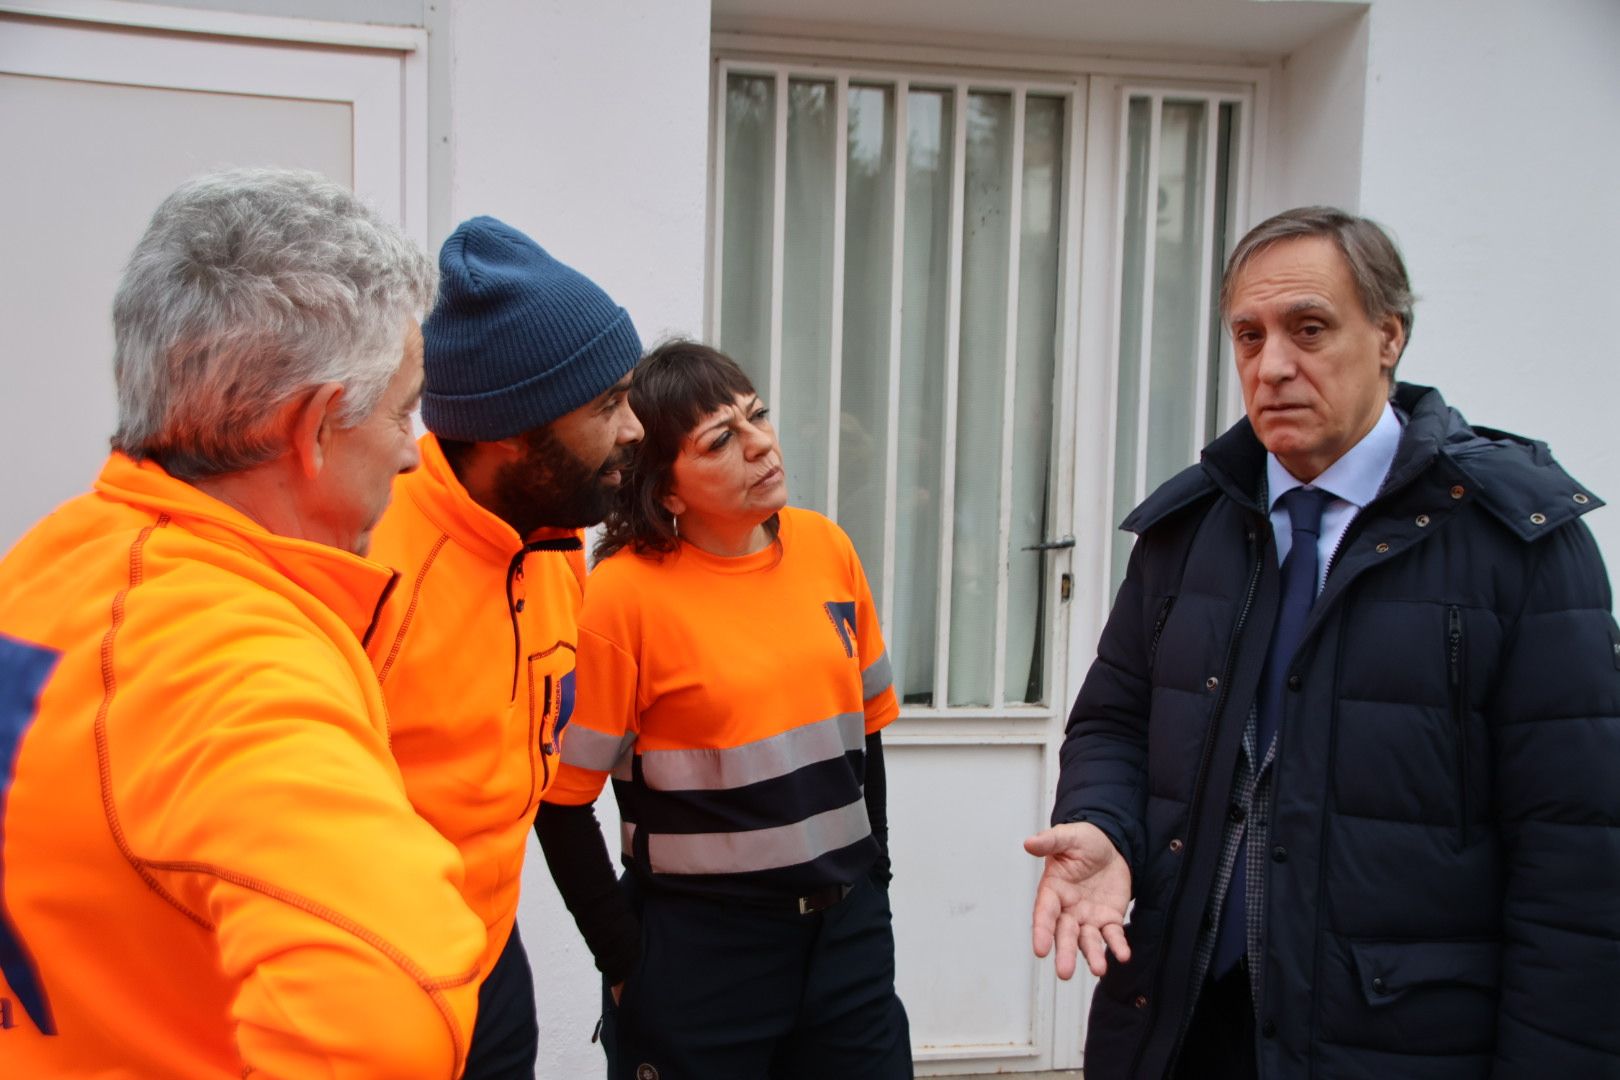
(1085, 426)
(1088, 349)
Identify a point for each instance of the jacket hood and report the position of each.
(1516, 478)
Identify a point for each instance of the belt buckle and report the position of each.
(822, 899)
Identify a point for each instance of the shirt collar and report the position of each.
(1356, 476)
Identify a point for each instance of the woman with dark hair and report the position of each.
(733, 682)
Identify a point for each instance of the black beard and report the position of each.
(552, 488)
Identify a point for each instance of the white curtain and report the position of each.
(802, 408)
(1169, 221)
(1039, 252)
(925, 313)
(868, 279)
(976, 528)
(980, 565)
(750, 172)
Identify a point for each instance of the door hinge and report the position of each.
(1066, 587)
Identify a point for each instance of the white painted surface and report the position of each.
(960, 906)
(1492, 150)
(1317, 123)
(99, 124)
(1225, 28)
(586, 126)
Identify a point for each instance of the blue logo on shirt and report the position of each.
(842, 614)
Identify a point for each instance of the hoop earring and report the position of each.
(675, 523)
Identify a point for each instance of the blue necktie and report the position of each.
(1304, 508)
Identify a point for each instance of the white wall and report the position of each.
(1491, 149)
(1316, 124)
(586, 126)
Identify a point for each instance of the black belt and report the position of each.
(819, 900)
(811, 903)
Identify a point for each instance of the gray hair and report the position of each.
(251, 287)
(1374, 261)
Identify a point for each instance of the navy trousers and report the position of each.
(506, 1035)
(728, 992)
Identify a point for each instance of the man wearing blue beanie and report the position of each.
(526, 368)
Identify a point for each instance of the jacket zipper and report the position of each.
(1197, 800)
(1459, 715)
(1158, 630)
(544, 743)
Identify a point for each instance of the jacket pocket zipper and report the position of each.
(545, 740)
(1158, 631)
(1459, 715)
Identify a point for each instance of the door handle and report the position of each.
(1052, 545)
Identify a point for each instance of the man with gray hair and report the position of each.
(208, 863)
(1350, 739)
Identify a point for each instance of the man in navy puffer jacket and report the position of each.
(1385, 843)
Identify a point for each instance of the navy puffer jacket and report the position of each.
(1444, 895)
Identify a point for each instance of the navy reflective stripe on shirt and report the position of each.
(24, 670)
(778, 816)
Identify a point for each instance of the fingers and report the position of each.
(1114, 934)
(1068, 936)
(1095, 952)
(1082, 930)
(1043, 925)
(1044, 843)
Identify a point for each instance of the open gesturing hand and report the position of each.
(1081, 900)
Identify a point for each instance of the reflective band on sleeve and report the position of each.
(588, 749)
(738, 766)
(757, 849)
(876, 678)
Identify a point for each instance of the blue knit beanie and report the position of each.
(517, 338)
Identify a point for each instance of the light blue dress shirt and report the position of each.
(1353, 481)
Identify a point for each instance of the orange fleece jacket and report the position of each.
(478, 676)
(210, 867)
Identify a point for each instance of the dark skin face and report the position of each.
(565, 475)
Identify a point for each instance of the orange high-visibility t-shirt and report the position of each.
(730, 700)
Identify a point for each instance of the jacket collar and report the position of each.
(436, 491)
(1516, 478)
(352, 587)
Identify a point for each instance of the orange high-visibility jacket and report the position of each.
(475, 651)
(208, 864)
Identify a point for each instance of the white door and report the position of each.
(897, 260)
(97, 124)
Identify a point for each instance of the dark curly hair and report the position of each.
(674, 386)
